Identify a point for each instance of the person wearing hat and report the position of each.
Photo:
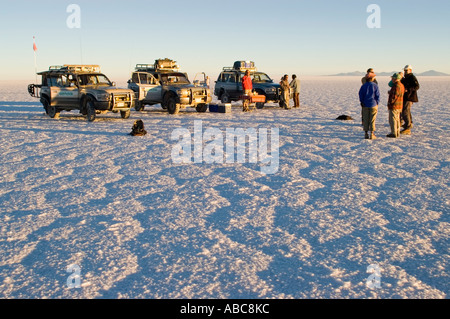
(369, 96)
(395, 104)
(370, 74)
(411, 87)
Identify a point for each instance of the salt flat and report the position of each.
(140, 226)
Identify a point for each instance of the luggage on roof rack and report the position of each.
(74, 68)
(82, 68)
(159, 65)
(166, 64)
(244, 65)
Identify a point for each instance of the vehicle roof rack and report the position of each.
(241, 66)
(75, 68)
(229, 69)
(145, 67)
(82, 68)
(55, 67)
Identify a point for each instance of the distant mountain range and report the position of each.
(427, 73)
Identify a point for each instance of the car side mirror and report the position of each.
(113, 84)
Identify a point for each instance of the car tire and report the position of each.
(52, 111)
(172, 106)
(225, 97)
(90, 110)
(139, 106)
(201, 108)
(259, 105)
(125, 114)
(45, 104)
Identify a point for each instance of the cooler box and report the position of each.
(220, 108)
(254, 98)
(214, 108)
(258, 99)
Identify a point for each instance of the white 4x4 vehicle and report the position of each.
(163, 83)
(81, 87)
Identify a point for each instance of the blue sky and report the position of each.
(302, 37)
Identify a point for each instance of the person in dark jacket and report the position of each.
(369, 96)
(295, 86)
(411, 87)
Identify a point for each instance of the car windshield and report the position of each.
(94, 79)
(261, 78)
(174, 78)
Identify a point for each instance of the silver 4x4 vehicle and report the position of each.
(163, 83)
(81, 87)
(229, 84)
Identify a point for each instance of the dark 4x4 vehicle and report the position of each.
(81, 87)
(229, 84)
(162, 83)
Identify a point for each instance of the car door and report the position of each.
(68, 91)
(234, 86)
(63, 93)
(226, 84)
(153, 89)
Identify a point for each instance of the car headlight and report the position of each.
(103, 97)
(183, 92)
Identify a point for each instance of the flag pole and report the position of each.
(35, 63)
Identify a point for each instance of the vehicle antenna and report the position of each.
(81, 49)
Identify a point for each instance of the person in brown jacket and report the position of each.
(285, 92)
(395, 105)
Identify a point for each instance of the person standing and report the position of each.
(285, 91)
(370, 74)
(411, 87)
(369, 96)
(247, 84)
(247, 87)
(295, 86)
(395, 104)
